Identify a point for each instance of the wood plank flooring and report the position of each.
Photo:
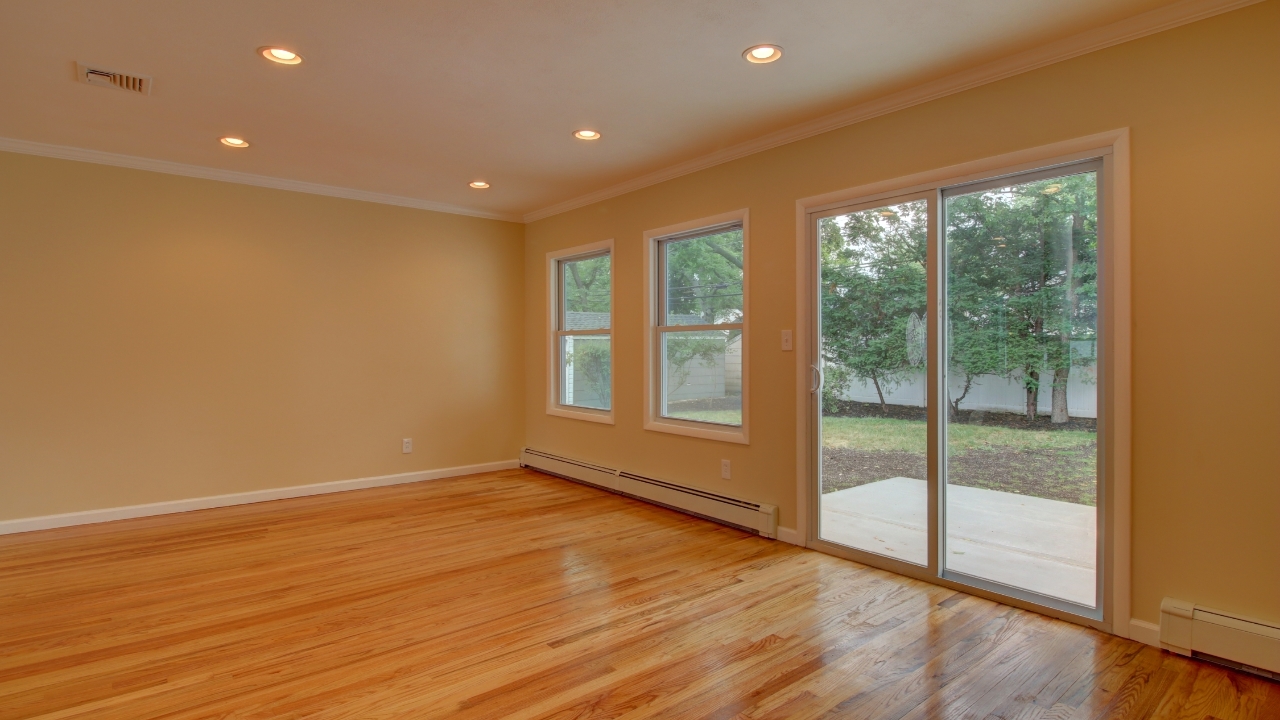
(518, 595)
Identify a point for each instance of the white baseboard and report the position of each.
(790, 535)
(1144, 632)
(87, 517)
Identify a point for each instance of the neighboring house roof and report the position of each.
(686, 320)
(586, 320)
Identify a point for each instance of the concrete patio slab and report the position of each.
(1045, 546)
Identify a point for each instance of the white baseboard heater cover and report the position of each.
(753, 517)
(1242, 643)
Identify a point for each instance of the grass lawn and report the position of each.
(881, 434)
(727, 417)
(1053, 464)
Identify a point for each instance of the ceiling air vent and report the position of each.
(111, 79)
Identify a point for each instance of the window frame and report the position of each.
(998, 179)
(656, 327)
(555, 303)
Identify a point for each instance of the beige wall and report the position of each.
(164, 337)
(1203, 105)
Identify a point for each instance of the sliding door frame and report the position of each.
(1112, 149)
(812, 339)
(941, 447)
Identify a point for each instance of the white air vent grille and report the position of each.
(102, 77)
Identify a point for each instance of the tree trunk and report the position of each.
(736, 262)
(955, 404)
(1060, 376)
(1033, 393)
(883, 408)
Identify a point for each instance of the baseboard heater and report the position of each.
(1238, 642)
(742, 514)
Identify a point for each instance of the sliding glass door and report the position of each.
(873, 301)
(958, 404)
(1022, 384)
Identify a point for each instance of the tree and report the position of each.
(683, 348)
(590, 360)
(873, 282)
(974, 350)
(586, 285)
(703, 287)
(586, 296)
(1022, 282)
(704, 278)
(1021, 289)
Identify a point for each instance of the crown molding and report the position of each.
(63, 152)
(1148, 23)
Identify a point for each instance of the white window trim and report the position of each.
(653, 419)
(1113, 148)
(554, 407)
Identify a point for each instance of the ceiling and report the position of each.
(417, 99)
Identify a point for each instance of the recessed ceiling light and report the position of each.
(280, 55)
(235, 142)
(587, 135)
(762, 53)
(479, 184)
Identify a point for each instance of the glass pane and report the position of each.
(586, 293)
(874, 427)
(702, 376)
(704, 279)
(584, 371)
(1022, 348)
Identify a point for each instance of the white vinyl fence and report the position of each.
(720, 378)
(991, 393)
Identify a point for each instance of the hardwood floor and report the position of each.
(514, 594)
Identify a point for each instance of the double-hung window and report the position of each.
(581, 382)
(697, 376)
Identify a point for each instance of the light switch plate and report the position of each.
(786, 340)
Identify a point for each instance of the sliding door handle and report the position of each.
(816, 380)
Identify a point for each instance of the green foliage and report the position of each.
(1022, 280)
(1021, 288)
(586, 290)
(590, 361)
(835, 380)
(704, 279)
(873, 282)
(703, 284)
(683, 348)
(586, 284)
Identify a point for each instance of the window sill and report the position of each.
(597, 416)
(705, 431)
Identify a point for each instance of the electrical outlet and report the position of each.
(406, 445)
(724, 469)
(786, 340)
